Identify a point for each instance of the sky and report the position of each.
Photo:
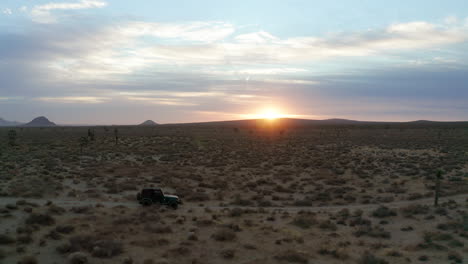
(123, 62)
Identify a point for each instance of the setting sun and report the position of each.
(270, 114)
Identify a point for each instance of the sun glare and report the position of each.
(270, 114)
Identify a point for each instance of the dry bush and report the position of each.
(180, 251)
(383, 211)
(80, 209)
(377, 232)
(414, 209)
(369, 258)
(64, 229)
(6, 239)
(236, 212)
(224, 234)
(54, 209)
(107, 248)
(40, 219)
(455, 257)
(304, 221)
(338, 253)
(24, 238)
(292, 256)
(327, 224)
(78, 258)
(97, 247)
(28, 260)
(228, 253)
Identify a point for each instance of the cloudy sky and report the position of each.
(122, 62)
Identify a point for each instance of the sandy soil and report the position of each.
(251, 195)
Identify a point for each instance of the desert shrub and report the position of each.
(180, 251)
(250, 246)
(456, 243)
(304, 202)
(148, 261)
(441, 211)
(377, 232)
(327, 224)
(304, 221)
(159, 229)
(64, 248)
(107, 248)
(359, 221)
(40, 219)
(455, 256)
(6, 239)
(54, 209)
(241, 202)
(65, 229)
(236, 212)
(369, 258)
(292, 256)
(205, 222)
(227, 253)
(414, 209)
(394, 253)
(78, 258)
(383, 211)
(224, 234)
(436, 236)
(24, 238)
(336, 253)
(80, 209)
(100, 248)
(28, 260)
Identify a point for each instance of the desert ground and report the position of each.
(262, 192)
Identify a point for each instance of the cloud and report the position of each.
(209, 67)
(116, 51)
(7, 11)
(193, 31)
(43, 13)
(74, 99)
(260, 37)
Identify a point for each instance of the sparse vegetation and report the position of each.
(298, 194)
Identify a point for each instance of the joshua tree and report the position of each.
(116, 134)
(12, 137)
(90, 134)
(437, 188)
(83, 143)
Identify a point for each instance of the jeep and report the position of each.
(155, 195)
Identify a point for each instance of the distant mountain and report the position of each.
(149, 123)
(4, 123)
(293, 122)
(40, 122)
(285, 121)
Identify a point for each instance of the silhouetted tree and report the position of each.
(90, 134)
(116, 134)
(83, 143)
(437, 188)
(12, 137)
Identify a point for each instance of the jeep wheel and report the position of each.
(146, 202)
(174, 205)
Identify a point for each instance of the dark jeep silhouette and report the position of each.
(155, 195)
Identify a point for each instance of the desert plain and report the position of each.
(264, 191)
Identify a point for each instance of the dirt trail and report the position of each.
(365, 207)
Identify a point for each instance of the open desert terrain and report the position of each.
(253, 192)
